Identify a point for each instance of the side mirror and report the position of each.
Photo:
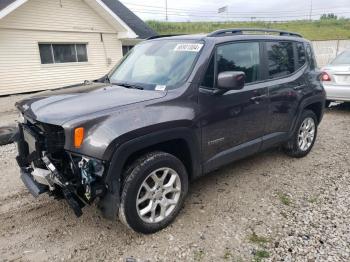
(231, 80)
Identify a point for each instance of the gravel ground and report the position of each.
(268, 207)
(8, 112)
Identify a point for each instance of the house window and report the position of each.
(126, 49)
(62, 53)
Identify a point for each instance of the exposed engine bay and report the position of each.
(46, 167)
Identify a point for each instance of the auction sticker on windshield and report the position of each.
(188, 47)
(160, 87)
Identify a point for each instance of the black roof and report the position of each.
(133, 21)
(5, 3)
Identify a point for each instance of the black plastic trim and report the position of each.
(34, 188)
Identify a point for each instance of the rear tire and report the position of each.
(154, 190)
(328, 102)
(304, 136)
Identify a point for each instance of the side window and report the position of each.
(301, 55)
(240, 57)
(208, 80)
(280, 59)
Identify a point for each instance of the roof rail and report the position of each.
(159, 36)
(239, 31)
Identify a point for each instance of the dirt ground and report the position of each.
(268, 207)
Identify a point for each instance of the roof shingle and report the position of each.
(133, 21)
(5, 3)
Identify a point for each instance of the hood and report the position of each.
(59, 106)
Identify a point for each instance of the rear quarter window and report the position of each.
(311, 56)
(301, 55)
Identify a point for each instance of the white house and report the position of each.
(47, 44)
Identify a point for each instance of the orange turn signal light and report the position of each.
(78, 136)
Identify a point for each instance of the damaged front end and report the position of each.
(46, 167)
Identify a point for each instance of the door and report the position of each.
(286, 63)
(232, 123)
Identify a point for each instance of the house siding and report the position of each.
(20, 66)
(72, 15)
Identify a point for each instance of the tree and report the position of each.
(329, 16)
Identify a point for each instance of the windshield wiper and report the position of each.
(107, 80)
(104, 79)
(128, 85)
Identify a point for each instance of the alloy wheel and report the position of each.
(306, 133)
(158, 195)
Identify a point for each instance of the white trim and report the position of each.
(130, 33)
(11, 7)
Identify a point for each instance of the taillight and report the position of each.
(325, 77)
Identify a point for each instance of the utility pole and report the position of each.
(310, 16)
(166, 10)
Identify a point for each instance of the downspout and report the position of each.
(104, 50)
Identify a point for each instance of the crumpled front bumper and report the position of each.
(34, 187)
(29, 152)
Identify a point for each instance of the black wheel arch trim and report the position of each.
(304, 104)
(109, 204)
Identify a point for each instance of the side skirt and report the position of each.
(244, 150)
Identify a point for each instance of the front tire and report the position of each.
(154, 190)
(304, 136)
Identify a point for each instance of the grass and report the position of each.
(254, 238)
(313, 30)
(228, 255)
(313, 200)
(260, 255)
(198, 255)
(285, 199)
(261, 241)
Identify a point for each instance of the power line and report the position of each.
(310, 16)
(166, 10)
(257, 12)
(183, 14)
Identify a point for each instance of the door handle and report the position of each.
(257, 99)
(299, 87)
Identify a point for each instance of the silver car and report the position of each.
(336, 78)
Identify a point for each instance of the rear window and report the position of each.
(281, 61)
(342, 59)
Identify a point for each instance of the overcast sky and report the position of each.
(199, 10)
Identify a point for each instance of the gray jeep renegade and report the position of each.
(173, 109)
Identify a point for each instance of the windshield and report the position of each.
(342, 59)
(157, 65)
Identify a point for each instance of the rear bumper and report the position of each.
(337, 92)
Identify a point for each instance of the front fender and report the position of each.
(110, 203)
